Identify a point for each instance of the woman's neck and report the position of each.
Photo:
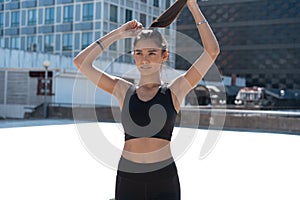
(149, 82)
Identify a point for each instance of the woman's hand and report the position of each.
(131, 29)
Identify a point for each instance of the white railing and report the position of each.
(11, 58)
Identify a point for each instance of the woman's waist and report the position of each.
(147, 150)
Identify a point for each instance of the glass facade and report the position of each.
(15, 18)
(128, 15)
(259, 39)
(67, 42)
(88, 12)
(65, 27)
(49, 43)
(113, 13)
(32, 18)
(49, 15)
(86, 39)
(1, 20)
(15, 42)
(68, 13)
(31, 43)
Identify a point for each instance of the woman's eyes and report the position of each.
(139, 54)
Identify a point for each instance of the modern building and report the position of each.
(32, 31)
(259, 40)
(65, 27)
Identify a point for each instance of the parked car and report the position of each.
(251, 96)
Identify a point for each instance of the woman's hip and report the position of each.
(165, 169)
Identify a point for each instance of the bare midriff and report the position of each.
(147, 150)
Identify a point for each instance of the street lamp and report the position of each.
(46, 65)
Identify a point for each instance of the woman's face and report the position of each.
(148, 56)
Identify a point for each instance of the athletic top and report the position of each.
(154, 118)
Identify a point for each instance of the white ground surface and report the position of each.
(51, 163)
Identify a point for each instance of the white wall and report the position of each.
(77, 90)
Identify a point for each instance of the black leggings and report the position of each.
(161, 184)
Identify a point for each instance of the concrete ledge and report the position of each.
(191, 118)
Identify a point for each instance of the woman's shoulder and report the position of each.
(121, 89)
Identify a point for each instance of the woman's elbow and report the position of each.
(77, 62)
(214, 52)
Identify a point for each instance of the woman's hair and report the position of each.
(165, 19)
(169, 15)
(155, 36)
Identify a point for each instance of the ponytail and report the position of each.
(169, 15)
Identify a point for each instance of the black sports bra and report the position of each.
(154, 118)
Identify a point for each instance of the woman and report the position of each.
(146, 168)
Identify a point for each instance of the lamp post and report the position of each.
(46, 65)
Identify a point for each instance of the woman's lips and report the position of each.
(145, 67)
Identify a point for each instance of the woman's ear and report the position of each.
(165, 56)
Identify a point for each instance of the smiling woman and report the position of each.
(148, 110)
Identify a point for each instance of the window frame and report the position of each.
(49, 15)
(156, 3)
(15, 19)
(67, 43)
(88, 12)
(113, 18)
(31, 40)
(32, 20)
(15, 42)
(127, 13)
(86, 39)
(48, 43)
(1, 19)
(68, 14)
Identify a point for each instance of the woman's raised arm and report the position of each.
(183, 84)
(84, 60)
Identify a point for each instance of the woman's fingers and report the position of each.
(134, 24)
(132, 28)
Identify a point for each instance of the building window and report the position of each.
(67, 42)
(1, 43)
(128, 15)
(1, 20)
(168, 3)
(113, 47)
(88, 12)
(156, 3)
(31, 43)
(49, 43)
(128, 45)
(128, 48)
(87, 39)
(15, 43)
(15, 18)
(31, 17)
(68, 13)
(49, 16)
(144, 1)
(113, 13)
(143, 18)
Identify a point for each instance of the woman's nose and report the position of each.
(145, 60)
